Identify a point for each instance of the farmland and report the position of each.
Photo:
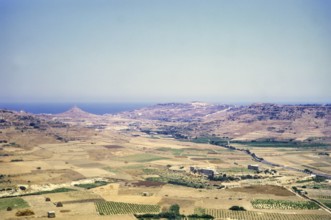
(326, 202)
(281, 144)
(118, 171)
(252, 215)
(141, 158)
(117, 208)
(14, 203)
(283, 204)
(177, 178)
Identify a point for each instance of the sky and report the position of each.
(165, 51)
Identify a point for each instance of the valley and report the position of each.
(272, 160)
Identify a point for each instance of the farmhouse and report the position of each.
(203, 171)
(253, 167)
(207, 172)
(51, 214)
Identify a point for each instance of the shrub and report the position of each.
(25, 212)
(202, 216)
(319, 179)
(22, 188)
(237, 208)
(174, 209)
(16, 160)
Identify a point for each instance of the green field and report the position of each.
(175, 152)
(326, 202)
(14, 203)
(251, 215)
(141, 158)
(59, 190)
(283, 204)
(112, 169)
(319, 186)
(211, 140)
(176, 178)
(118, 208)
(281, 144)
(260, 143)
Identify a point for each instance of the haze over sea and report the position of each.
(54, 108)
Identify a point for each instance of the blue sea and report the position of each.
(54, 108)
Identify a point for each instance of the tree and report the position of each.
(237, 208)
(174, 209)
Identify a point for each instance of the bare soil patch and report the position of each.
(83, 201)
(186, 205)
(113, 147)
(320, 164)
(215, 161)
(264, 189)
(91, 165)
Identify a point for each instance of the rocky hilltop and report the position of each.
(75, 113)
(249, 122)
(310, 123)
(26, 121)
(172, 112)
(25, 130)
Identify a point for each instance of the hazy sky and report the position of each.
(165, 50)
